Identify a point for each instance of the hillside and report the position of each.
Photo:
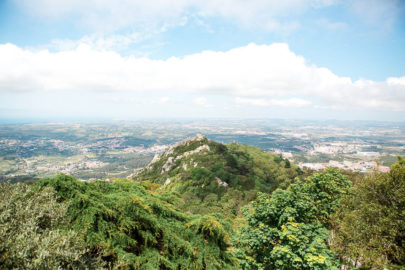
(325, 221)
(212, 177)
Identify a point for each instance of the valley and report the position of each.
(102, 150)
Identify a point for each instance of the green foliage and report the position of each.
(288, 230)
(63, 223)
(135, 229)
(233, 172)
(212, 230)
(30, 233)
(370, 222)
(326, 189)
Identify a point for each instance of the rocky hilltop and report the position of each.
(217, 175)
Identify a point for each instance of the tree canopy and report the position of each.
(128, 227)
(34, 232)
(289, 229)
(369, 226)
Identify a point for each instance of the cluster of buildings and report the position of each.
(361, 166)
(334, 148)
(67, 167)
(156, 149)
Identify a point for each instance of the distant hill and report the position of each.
(212, 177)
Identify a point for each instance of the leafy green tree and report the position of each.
(288, 229)
(369, 225)
(30, 233)
(287, 163)
(133, 228)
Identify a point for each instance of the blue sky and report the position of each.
(322, 59)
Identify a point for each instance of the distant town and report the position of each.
(119, 149)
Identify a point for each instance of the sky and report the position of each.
(136, 59)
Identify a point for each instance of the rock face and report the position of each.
(168, 165)
(156, 158)
(184, 142)
(198, 150)
(220, 183)
(173, 158)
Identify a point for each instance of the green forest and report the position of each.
(206, 205)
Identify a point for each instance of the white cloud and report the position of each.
(164, 100)
(116, 25)
(99, 42)
(292, 102)
(270, 72)
(332, 25)
(202, 101)
(105, 15)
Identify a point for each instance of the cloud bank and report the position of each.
(257, 75)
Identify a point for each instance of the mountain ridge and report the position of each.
(204, 171)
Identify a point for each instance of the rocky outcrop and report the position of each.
(220, 183)
(171, 160)
(187, 141)
(195, 151)
(168, 165)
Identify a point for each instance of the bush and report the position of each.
(288, 229)
(370, 222)
(135, 229)
(30, 233)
